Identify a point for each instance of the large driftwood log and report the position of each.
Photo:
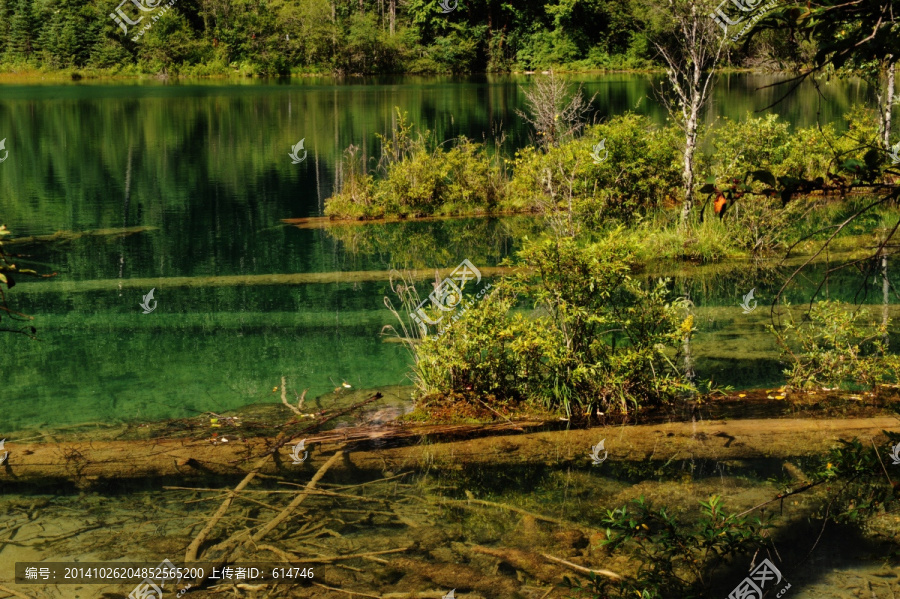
(394, 448)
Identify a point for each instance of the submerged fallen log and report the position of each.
(395, 448)
(300, 278)
(73, 235)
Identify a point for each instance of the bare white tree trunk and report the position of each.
(886, 101)
(692, 49)
(691, 126)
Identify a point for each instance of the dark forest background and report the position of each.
(279, 37)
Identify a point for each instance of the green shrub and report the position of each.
(597, 340)
(834, 348)
(641, 171)
(676, 558)
(420, 178)
(357, 196)
(752, 144)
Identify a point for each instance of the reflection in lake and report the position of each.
(205, 169)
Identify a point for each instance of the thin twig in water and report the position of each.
(493, 410)
(299, 400)
(318, 584)
(582, 569)
(882, 463)
(547, 594)
(14, 593)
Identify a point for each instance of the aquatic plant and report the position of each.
(860, 489)
(675, 558)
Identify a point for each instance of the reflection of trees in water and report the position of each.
(438, 244)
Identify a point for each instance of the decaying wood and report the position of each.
(232, 549)
(535, 563)
(299, 400)
(14, 593)
(191, 553)
(396, 448)
(300, 278)
(529, 562)
(72, 235)
(510, 508)
(457, 576)
(582, 569)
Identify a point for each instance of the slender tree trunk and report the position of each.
(887, 103)
(393, 10)
(690, 146)
(885, 296)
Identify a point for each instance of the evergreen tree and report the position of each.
(22, 31)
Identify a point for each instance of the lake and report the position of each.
(201, 174)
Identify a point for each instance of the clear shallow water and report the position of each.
(206, 166)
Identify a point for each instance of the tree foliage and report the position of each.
(276, 37)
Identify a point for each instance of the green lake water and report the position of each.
(205, 166)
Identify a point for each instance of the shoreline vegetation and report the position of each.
(762, 191)
(346, 37)
(16, 76)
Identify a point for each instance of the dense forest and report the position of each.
(280, 37)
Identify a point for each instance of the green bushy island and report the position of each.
(573, 330)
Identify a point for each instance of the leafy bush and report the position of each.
(754, 157)
(751, 144)
(597, 340)
(833, 348)
(420, 179)
(676, 558)
(641, 170)
(356, 197)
